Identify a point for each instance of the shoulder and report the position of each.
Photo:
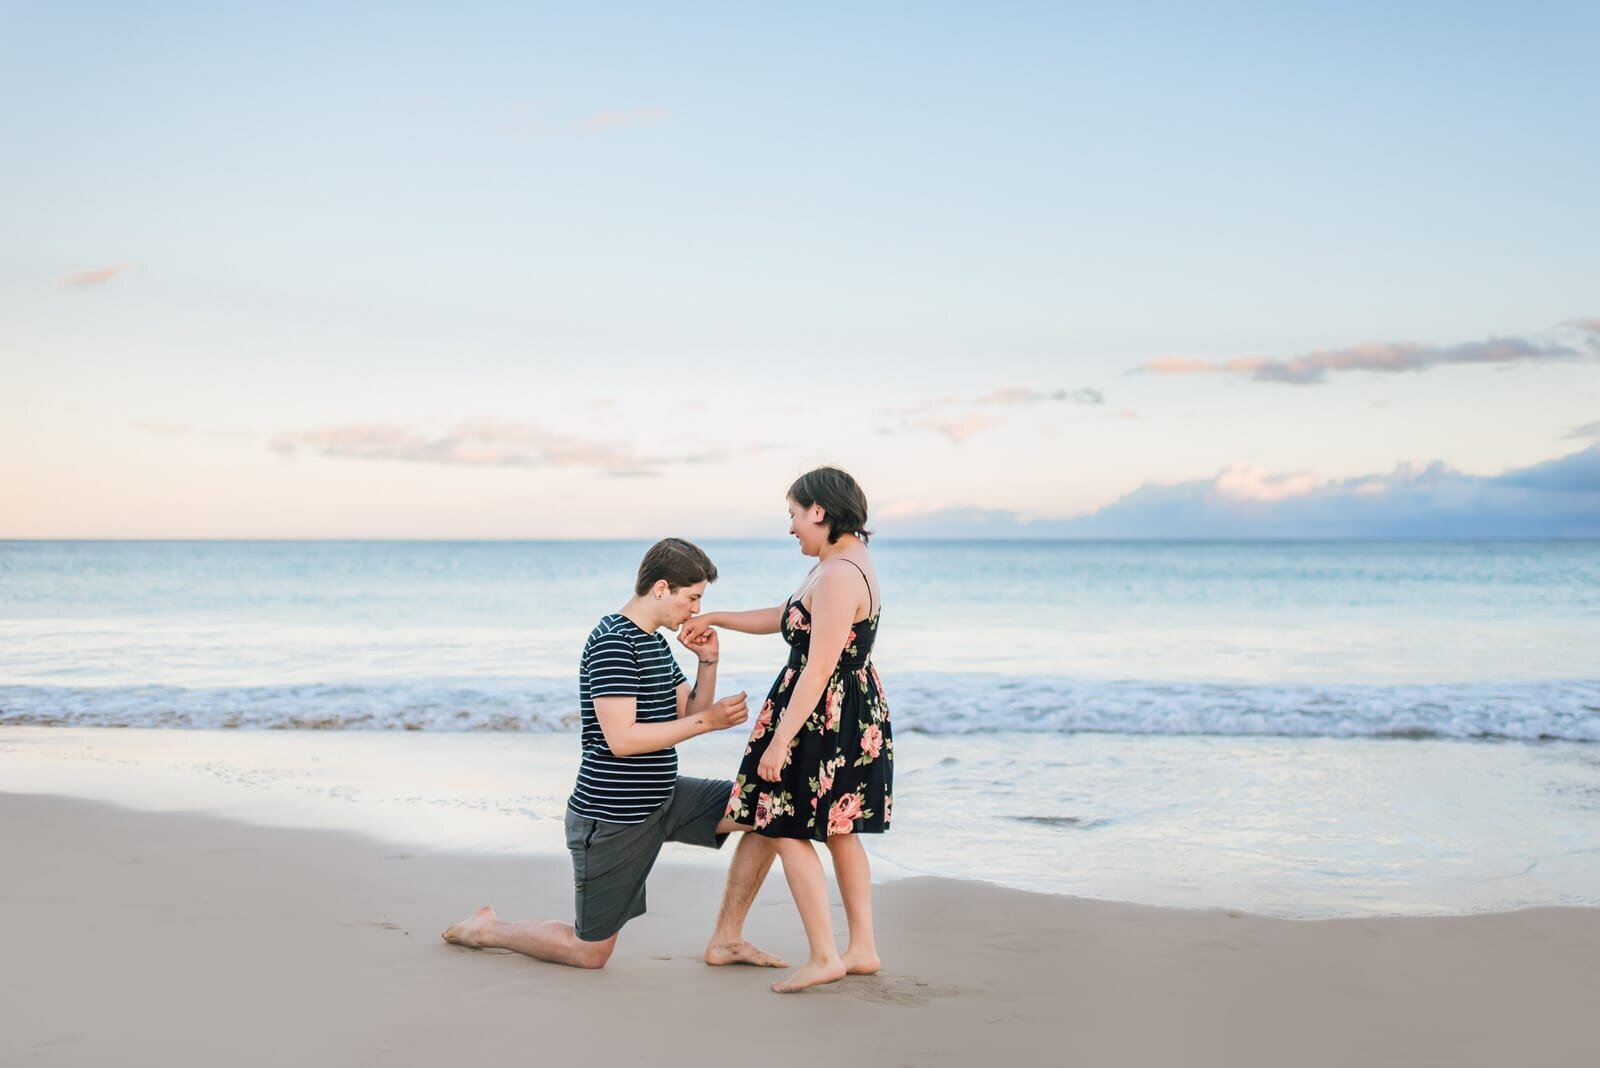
(612, 632)
(841, 580)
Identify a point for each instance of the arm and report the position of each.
(625, 736)
(833, 611)
(698, 698)
(755, 621)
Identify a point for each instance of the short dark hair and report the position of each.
(842, 498)
(681, 563)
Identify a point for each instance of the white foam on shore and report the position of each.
(929, 703)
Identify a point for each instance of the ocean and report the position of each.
(1303, 728)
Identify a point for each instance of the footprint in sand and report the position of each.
(906, 990)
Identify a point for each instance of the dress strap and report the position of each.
(868, 581)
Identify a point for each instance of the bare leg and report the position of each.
(810, 889)
(548, 940)
(851, 868)
(752, 859)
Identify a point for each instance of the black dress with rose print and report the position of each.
(840, 774)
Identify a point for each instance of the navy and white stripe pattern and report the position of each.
(621, 660)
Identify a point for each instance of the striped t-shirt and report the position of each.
(621, 660)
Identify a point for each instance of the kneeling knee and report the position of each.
(594, 954)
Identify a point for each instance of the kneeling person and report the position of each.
(629, 798)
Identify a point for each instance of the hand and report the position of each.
(692, 630)
(774, 759)
(728, 712)
(705, 646)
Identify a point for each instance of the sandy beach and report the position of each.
(163, 938)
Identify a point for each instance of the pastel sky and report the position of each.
(477, 270)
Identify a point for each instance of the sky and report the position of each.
(393, 270)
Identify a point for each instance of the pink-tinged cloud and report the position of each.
(99, 276)
(1183, 365)
(1245, 482)
(922, 407)
(917, 415)
(478, 443)
(1378, 356)
(611, 120)
(959, 430)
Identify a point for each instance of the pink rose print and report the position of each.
(843, 814)
(788, 677)
(830, 707)
(763, 721)
(734, 802)
(763, 810)
(872, 741)
(796, 620)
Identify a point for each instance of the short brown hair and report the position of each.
(842, 499)
(681, 563)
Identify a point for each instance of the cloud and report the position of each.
(932, 404)
(1243, 482)
(1183, 365)
(612, 120)
(1014, 395)
(99, 276)
(479, 443)
(959, 429)
(1378, 356)
(1554, 499)
(1587, 430)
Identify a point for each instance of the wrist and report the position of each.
(708, 663)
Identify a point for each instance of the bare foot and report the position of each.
(860, 962)
(742, 953)
(468, 932)
(811, 974)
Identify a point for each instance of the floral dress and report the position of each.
(840, 774)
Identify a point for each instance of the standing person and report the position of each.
(820, 763)
(629, 797)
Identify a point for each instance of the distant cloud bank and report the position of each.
(1559, 498)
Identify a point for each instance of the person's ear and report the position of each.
(660, 589)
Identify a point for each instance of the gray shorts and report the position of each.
(610, 861)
